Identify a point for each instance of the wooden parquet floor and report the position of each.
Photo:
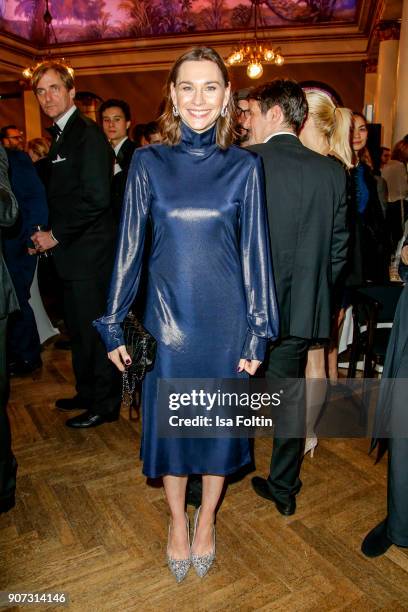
(87, 523)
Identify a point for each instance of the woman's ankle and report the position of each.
(206, 517)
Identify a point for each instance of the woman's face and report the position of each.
(199, 94)
(360, 134)
(34, 156)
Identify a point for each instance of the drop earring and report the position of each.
(175, 111)
(224, 111)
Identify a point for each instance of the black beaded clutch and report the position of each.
(141, 347)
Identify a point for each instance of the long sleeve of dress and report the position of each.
(403, 268)
(129, 255)
(262, 307)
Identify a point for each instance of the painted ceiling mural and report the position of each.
(77, 20)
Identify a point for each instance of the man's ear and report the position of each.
(275, 115)
(72, 93)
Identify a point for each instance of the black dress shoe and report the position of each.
(376, 542)
(89, 419)
(262, 488)
(24, 368)
(72, 403)
(62, 344)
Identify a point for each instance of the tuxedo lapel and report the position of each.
(125, 153)
(56, 144)
(120, 156)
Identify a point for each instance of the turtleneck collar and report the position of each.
(198, 141)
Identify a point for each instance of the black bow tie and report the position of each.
(54, 130)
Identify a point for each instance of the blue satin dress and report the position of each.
(210, 289)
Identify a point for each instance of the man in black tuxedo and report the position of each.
(82, 239)
(306, 203)
(115, 119)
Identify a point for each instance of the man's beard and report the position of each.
(244, 135)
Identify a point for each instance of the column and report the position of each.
(370, 87)
(388, 33)
(401, 106)
(32, 115)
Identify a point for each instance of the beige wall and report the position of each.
(143, 90)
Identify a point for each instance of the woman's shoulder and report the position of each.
(143, 157)
(237, 154)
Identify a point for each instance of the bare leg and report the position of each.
(175, 488)
(315, 367)
(315, 392)
(332, 357)
(212, 489)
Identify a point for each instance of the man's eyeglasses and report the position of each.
(241, 111)
(19, 137)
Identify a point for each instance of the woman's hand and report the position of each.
(249, 365)
(120, 358)
(404, 255)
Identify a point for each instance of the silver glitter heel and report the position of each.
(202, 563)
(179, 567)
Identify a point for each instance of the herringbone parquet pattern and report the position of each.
(87, 523)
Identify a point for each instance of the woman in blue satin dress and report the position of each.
(210, 292)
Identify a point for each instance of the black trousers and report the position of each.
(287, 359)
(395, 220)
(97, 379)
(8, 464)
(397, 521)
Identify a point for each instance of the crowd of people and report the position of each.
(254, 216)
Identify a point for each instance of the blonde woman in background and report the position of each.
(326, 131)
(38, 148)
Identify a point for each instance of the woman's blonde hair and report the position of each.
(170, 125)
(39, 146)
(333, 121)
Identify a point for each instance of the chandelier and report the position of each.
(49, 38)
(257, 52)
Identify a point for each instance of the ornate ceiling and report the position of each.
(87, 20)
(108, 36)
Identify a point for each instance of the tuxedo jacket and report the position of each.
(80, 213)
(123, 158)
(306, 200)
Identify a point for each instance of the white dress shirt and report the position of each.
(279, 134)
(62, 121)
